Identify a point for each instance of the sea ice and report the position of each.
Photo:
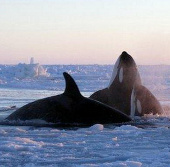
(97, 127)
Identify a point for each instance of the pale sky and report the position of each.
(84, 31)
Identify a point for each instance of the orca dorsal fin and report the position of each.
(71, 87)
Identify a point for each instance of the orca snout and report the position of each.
(127, 59)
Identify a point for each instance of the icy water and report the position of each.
(145, 143)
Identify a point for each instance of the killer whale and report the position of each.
(144, 102)
(69, 108)
(126, 92)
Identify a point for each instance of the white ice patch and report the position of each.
(121, 75)
(32, 60)
(127, 128)
(28, 140)
(132, 163)
(133, 106)
(97, 127)
(114, 73)
(139, 107)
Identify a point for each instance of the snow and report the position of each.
(121, 146)
(22, 71)
(97, 127)
(142, 143)
(89, 78)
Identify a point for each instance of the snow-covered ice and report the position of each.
(121, 146)
(22, 71)
(144, 143)
(89, 78)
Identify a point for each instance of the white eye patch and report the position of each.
(133, 105)
(121, 75)
(139, 107)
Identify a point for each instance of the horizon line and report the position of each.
(88, 64)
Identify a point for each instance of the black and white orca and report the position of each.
(144, 102)
(69, 108)
(126, 92)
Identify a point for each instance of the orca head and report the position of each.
(71, 89)
(126, 60)
(125, 70)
